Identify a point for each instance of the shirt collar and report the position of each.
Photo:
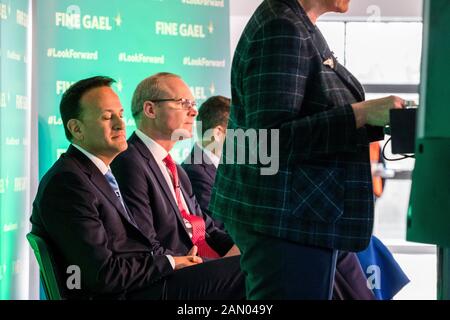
(97, 161)
(215, 160)
(157, 151)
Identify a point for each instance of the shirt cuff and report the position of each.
(171, 260)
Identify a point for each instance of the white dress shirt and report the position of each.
(97, 161)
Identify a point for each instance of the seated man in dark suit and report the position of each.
(80, 212)
(201, 164)
(157, 191)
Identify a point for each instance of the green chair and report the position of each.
(47, 266)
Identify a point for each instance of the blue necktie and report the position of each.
(114, 185)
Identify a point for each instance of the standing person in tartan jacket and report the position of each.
(290, 225)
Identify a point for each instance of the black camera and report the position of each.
(403, 130)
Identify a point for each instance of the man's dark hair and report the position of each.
(70, 107)
(213, 112)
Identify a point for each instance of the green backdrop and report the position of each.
(74, 39)
(128, 41)
(14, 149)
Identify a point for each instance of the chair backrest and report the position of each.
(47, 266)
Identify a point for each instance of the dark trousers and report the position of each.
(219, 279)
(350, 282)
(280, 269)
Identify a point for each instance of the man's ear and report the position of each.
(149, 109)
(219, 132)
(75, 128)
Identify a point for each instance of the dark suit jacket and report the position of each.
(153, 206)
(202, 176)
(78, 214)
(322, 192)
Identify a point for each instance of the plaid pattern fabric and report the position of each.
(322, 193)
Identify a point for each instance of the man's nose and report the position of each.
(193, 112)
(119, 124)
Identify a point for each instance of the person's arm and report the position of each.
(70, 216)
(376, 112)
(135, 192)
(234, 251)
(189, 260)
(276, 76)
(375, 133)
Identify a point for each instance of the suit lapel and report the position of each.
(350, 81)
(324, 51)
(102, 184)
(147, 155)
(346, 77)
(184, 179)
(99, 181)
(186, 197)
(298, 10)
(210, 169)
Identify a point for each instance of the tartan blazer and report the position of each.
(322, 192)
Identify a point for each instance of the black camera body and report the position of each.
(403, 130)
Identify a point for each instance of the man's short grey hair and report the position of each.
(148, 89)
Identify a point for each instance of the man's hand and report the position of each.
(376, 112)
(186, 261)
(234, 251)
(193, 251)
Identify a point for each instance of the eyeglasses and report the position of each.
(186, 104)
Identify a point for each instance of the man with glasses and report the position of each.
(157, 191)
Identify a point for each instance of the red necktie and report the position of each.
(197, 223)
